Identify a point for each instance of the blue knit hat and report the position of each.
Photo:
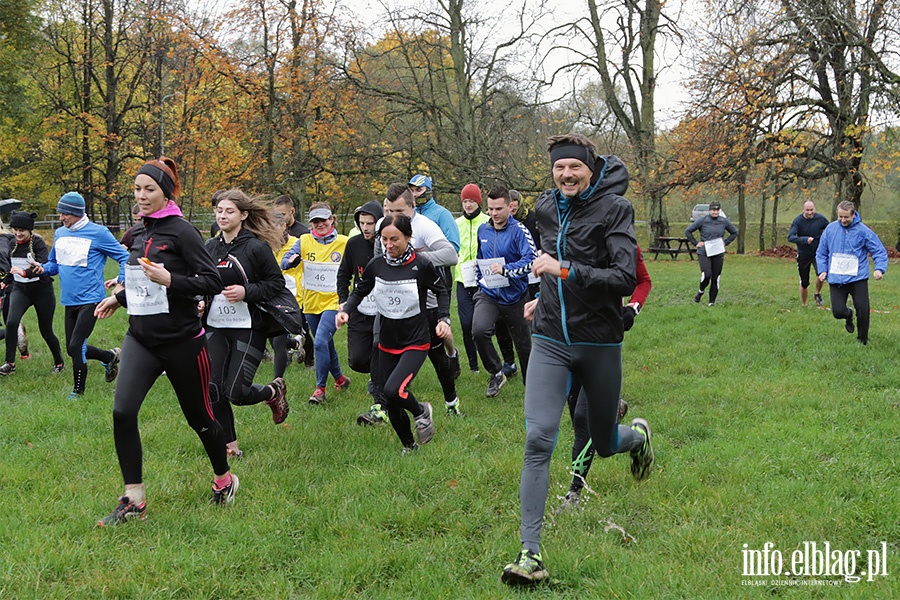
(72, 203)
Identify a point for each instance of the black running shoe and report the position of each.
(125, 511)
(528, 569)
(642, 456)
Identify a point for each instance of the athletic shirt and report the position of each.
(399, 334)
(317, 269)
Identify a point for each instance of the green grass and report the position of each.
(770, 424)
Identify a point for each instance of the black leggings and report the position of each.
(279, 353)
(44, 301)
(395, 373)
(710, 270)
(440, 361)
(234, 356)
(360, 342)
(80, 322)
(187, 368)
(860, 292)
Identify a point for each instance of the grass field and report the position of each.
(771, 424)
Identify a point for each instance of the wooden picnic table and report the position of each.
(667, 245)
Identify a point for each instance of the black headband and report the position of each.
(575, 151)
(161, 177)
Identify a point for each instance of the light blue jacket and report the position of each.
(856, 239)
(79, 258)
(444, 219)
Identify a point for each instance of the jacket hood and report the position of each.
(373, 208)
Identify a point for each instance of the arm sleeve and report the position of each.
(201, 277)
(451, 230)
(441, 292)
(619, 277)
(730, 228)
(363, 288)
(793, 236)
(822, 253)
(879, 253)
(51, 267)
(525, 248)
(689, 232)
(440, 252)
(642, 289)
(269, 279)
(111, 247)
(345, 275)
(294, 251)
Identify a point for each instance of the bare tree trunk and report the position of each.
(775, 199)
(762, 223)
(742, 216)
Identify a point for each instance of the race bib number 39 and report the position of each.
(397, 299)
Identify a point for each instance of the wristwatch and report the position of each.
(564, 267)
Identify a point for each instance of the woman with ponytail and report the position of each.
(167, 269)
(237, 328)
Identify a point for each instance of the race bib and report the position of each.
(469, 273)
(844, 264)
(228, 315)
(492, 280)
(290, 282)
(714, 247)
(320, 277)
(143, 296)
(72, 251)
(368, 306)
(23, 263)
(397, 299)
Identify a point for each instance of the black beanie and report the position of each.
(22, 220)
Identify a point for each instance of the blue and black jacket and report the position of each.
(513, 242)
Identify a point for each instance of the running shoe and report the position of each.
(494, 384)
(57, 369)
(22, 342)
(848, 324)
(8, 368)
(279, 403)
(342, 384)
(409, 449)
(711, 304)
(698, 296)
(298, 354)
(318, 396)
(425, 424)
(374, 416)
(234, 452)
(570, 502)
(226, 494)
(75, 395)
(819, 301)
(510, 369)
(454, 365)
(125, 511)
(453, 409)
(112, 367)
(642, 456)
(528, 569)
(623, 409)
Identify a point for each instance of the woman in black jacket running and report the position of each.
(401, 279)
(237, 328)
(167, 269)
(29, 289)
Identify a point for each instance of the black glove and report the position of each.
(628, 315)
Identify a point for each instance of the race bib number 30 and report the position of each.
(397, 299)
(142, 295)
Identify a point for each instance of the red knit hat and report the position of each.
(471, 192)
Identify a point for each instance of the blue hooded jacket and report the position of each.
(856, 239)
(513, 242)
